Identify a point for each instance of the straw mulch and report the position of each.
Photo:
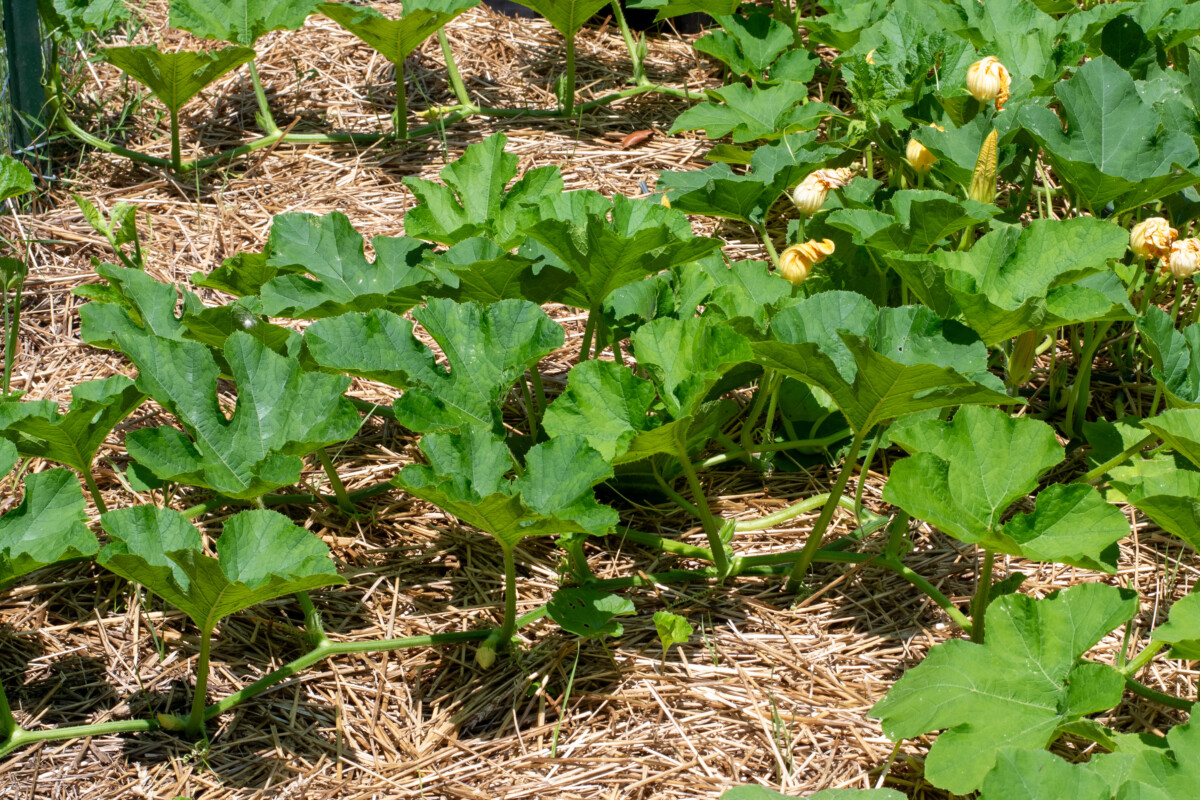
(770, 690)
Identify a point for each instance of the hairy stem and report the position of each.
(101, 508)
(400, 113)
(568, 93)
(195, 721)
(983, 590)
(712, 528)
(265, 117)
(176, 151)
(639, 70)
(452, 73)
(339, 489)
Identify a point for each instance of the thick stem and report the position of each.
(400, 113)
(712, 528)
(639, 71)
(672, 546)
(766, 387)
(265, 118)
(313, 626)
(818, 531)
(345, 505)
(1117, 460)
(769, 245)
(589, 330)
(864, 470)
(1167, 700)
(101, 508)
(452, 73)
(1143, 658)
(770, 447)
(568, 93)
(539, 390)
(983, 591)
(176, 152)
(781, 516)
(195, 721)
(12, 328)
(208, 506)
(21, 737)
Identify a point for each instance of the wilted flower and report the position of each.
(796, 262)
(988, 80)
(919, 156)
(811, 192)
(983, 179)
(1184, 258)
(1152, 238)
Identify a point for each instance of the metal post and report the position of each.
(27, 97)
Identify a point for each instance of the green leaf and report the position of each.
(641, 238)
(1176, 356)
(1018, 689)
(1180, 429)
(132, 305)
(479, 270)
(1017, 279)
(49, 526)
(687, 357)
(752, 113)
(261, 555)
(78, 17)
(329, 249)
(914, 222)
(282, 414)
(214, 325)
(567, 16)
(239, 21)
(466, 478)
(1112, 150)
(675, 8)
(748, 44)
(746, 290)
(589, 612)
(394, 39)
(15, 178)
(844, 21)
(1166, 489)
(878, 364)
(8, 456)
(175, 78)
(1182, 630)
(672, 629)
(475, 200)
(1039, 775)
(487, 348)
(70, 439)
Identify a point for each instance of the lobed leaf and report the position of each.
(394, 39)
(49, 526)
(239, 21)
(175, 78)
(588, 612)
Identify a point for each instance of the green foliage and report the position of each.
(674, 8)
(912, 222)
(1018, 689)
(567, 16)
(49, 526)
(757, 46)
(120, 228)
(672, 629)
(1176, 356)
(1182, 630)
(1166, 489)
(15, 178)
(175, 78)
(966, 474)
(239, 21)
(394, 39)
(588, 612)
(751, 113)
(78, 17)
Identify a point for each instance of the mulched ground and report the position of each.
(771, 690)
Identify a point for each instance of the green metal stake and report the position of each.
(23, 40)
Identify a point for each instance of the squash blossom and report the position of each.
(811, 192)
(1152, 238)
(988, 80)
(1184, 258)
(870, 59)
(666, 201)
(918, 156)
(796, 262)
(983, 180)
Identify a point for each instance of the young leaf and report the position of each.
(487, 349)
(1176, 356)
(475, 200)
(1018, 689)
(394, 39)
(1039, 775)
(282, 413)
(175, 78)
(71, 439)
(878, 364)
(239, 21)
(747, 44)
(1111, 150)
(965, 475)
(329, 249)
(49, 526)
(466, 478)
(752, 113)
(1182, 629)
(260, 555)
(588, 612)
(687, 357)
(672, 629)
(1018, 279)
(914, 222)
(132, 305)
(15, 178)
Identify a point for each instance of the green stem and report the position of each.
(768, 245)
(864, 470)
(101, 508)
(781, 516)
(818, 531)
(983, 590)
(672, 546)
(770, 447)
(712, 528)
(176, 153)
(12, 329)
(452, 73)
(1117, 460)
(929, 589)
(1143, 658)
(266, 118)
(195, 721)
(400, 113)
(313, 626)
(373, 409)
(568, 93)
(639, 71)
(220, 501)
(1167, 700)
(21, 737)
(539, 390)
(589, 330)
(339, 488)
(765, 388)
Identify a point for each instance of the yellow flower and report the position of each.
(988, 80)
(1152, 238)
(797, 261)
(919, 156)
(870, 59)
(666, 201)
(811, 192)
(983, 179)
(1184, 258)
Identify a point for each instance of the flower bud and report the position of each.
(666, 201)
(988, 80)
(983, 179)
(1152, 238)
(870, 59)
(1184, 258)
(811, 192)
(796, 262)
(485, 656)
(918, 156)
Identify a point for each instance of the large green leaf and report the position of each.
(131, 304)
(674, 8)
(394, 39)
(476, 200)
(567, 16)
(1166, 489)
(487, 350)
(843, 21)
(687, 357)
(78, 17)
(239, 21)
(329, 249)
(282, 413)
(913, 222)
(1017, 689)
(260, 555)
(1176, 356)
(50, 525)
(641, 238)
(71, 439)
(966, 474)
(748, 44)
(1112, 150)
(753, 112)
(1180, 429)
(466, 477)
(878, 364)
(479, 270)
(1182, 629)
(175, 78)
(1018, 279)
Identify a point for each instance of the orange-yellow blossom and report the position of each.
(811, 192)
(988, 80)
(1184, 258)
(796, 262)
(1152, 238)
(918, 155)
